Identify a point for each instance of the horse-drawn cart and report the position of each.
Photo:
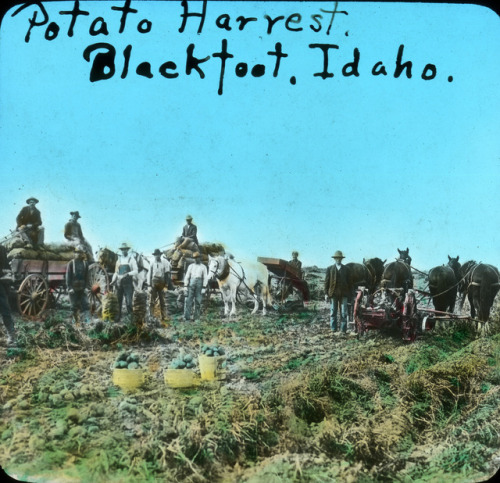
(284, 280)
(396, 308)
(40, 284)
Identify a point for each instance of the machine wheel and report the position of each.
(98, 286)
(410, 317)
(33, 295)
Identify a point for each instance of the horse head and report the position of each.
(404, 256)
(216, 266)
(454, 264)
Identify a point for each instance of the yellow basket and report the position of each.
(180, 378)
(209, 367)
(128, 379)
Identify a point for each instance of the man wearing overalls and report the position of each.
(159, 274)
(125, 271)
(77, 276)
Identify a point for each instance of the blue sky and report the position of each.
(365, 164)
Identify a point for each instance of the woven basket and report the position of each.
(180, 378)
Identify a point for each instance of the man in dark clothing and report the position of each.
(77, 277)
(338, 287)
(190, 230)
(73, 233)
(5, 281)
(29, 222)
(296, 263)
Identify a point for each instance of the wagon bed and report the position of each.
(42, 282)
(287, 274)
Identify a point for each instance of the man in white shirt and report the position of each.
(195, 280)
(125, 271)
(158, 275)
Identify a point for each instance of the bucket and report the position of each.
(128, 379)
(208, 367)
(180, 378)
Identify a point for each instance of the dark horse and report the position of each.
(480, 282)
(361, 276)
(376, 267)
(443, 281)
(398, 274)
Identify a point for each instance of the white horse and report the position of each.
(234, 277)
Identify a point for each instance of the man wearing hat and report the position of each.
(29, 223)
(338, 287)
(295, 262)
(190, 230)
(77, 278)
(5, 312)
(195, 280)
(73, 233)
(158, 278)
(125, 271)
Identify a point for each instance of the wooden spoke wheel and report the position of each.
(33, 295)
(98, 286)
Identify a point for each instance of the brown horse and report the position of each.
(480, 282)
(398, 274)
(443, 288)
(376, 267)
(361, 276)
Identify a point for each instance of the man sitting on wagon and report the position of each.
(29, 223)
(73, 233)
(296, 263)
(189, 232)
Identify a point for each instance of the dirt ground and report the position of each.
(293, 402)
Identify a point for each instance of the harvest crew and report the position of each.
(77, 277)
(125, 271)
(5, 281)
(73, 233)
(337, 289)
(158, 279)
(195, 280)
(29, 223)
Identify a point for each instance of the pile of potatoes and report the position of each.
(128, 360)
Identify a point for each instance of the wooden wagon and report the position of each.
(40, 284)
(285, 279)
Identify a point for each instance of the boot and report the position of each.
(11, 339)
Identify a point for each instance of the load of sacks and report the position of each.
(178, 256)
(17, 248)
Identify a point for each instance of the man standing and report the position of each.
(195, 280)
(125, 271)
(337, 290)
(5, 281)
(29, 223)
(190, 230)
(73, 233)
(158, 278)
(77, 277)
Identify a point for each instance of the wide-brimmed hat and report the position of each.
(124, 246)
(31, 199)
(196, 255)
(338, 254)
(79, 249)
(157, 252)
(75, 213)
(189, 218)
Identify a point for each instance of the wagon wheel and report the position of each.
(33, 295)
(98, 285)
